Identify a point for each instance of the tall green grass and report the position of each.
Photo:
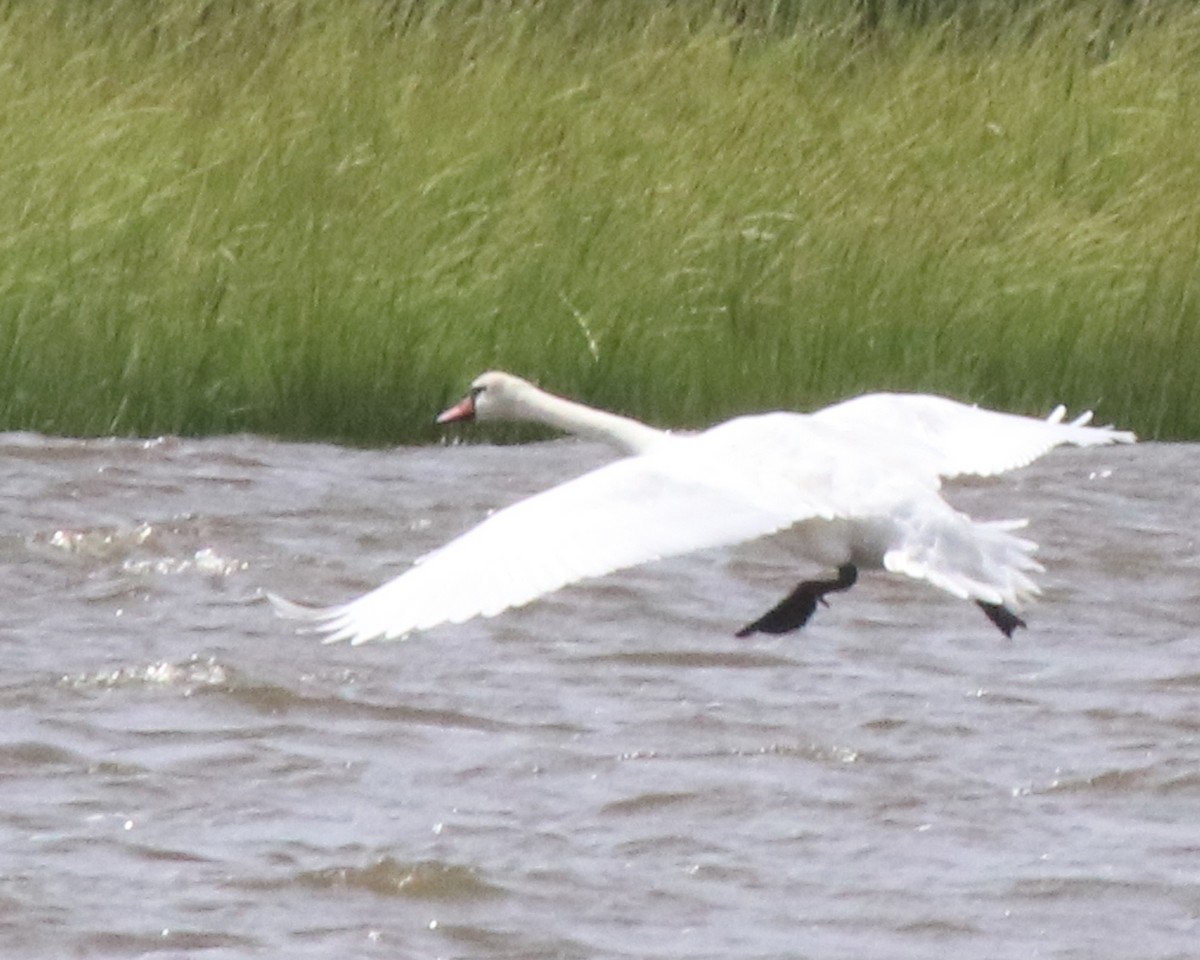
(322, 219)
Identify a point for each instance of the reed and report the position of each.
(321, 219)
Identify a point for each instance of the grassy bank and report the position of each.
(321, 219)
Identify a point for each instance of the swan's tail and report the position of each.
(981, 561)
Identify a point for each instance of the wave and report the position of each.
(422, 880)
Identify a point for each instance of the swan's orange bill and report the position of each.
(463, 410)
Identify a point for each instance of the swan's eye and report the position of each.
(477, 392)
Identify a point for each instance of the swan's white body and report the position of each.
(856, 483)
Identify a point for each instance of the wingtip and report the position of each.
(312, 619)
(1109, 434)
(290, 610)
(330, 622)
(1098, 433)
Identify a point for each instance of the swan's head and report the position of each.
(493, 396)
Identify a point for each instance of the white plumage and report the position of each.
(853, 484)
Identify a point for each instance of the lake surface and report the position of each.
(605, 774)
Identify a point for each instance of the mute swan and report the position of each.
(855, 486)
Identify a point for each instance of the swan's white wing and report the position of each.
(736, 482)
(615, 517)
(960, 439)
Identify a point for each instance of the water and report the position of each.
(606, 774)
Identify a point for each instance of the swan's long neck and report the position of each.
(624, 433)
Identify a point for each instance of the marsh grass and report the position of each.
(321, 219)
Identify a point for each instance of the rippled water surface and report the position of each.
(605, 774)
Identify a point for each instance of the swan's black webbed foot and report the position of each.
(793, 611)
(1002, 617)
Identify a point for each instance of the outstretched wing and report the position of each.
(742, 480)
(959, 439)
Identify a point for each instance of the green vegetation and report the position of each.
(321, 219)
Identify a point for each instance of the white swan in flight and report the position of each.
(855, 486)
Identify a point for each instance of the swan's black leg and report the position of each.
(793, 611)
(1002, 617)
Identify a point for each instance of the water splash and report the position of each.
(191, 674)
